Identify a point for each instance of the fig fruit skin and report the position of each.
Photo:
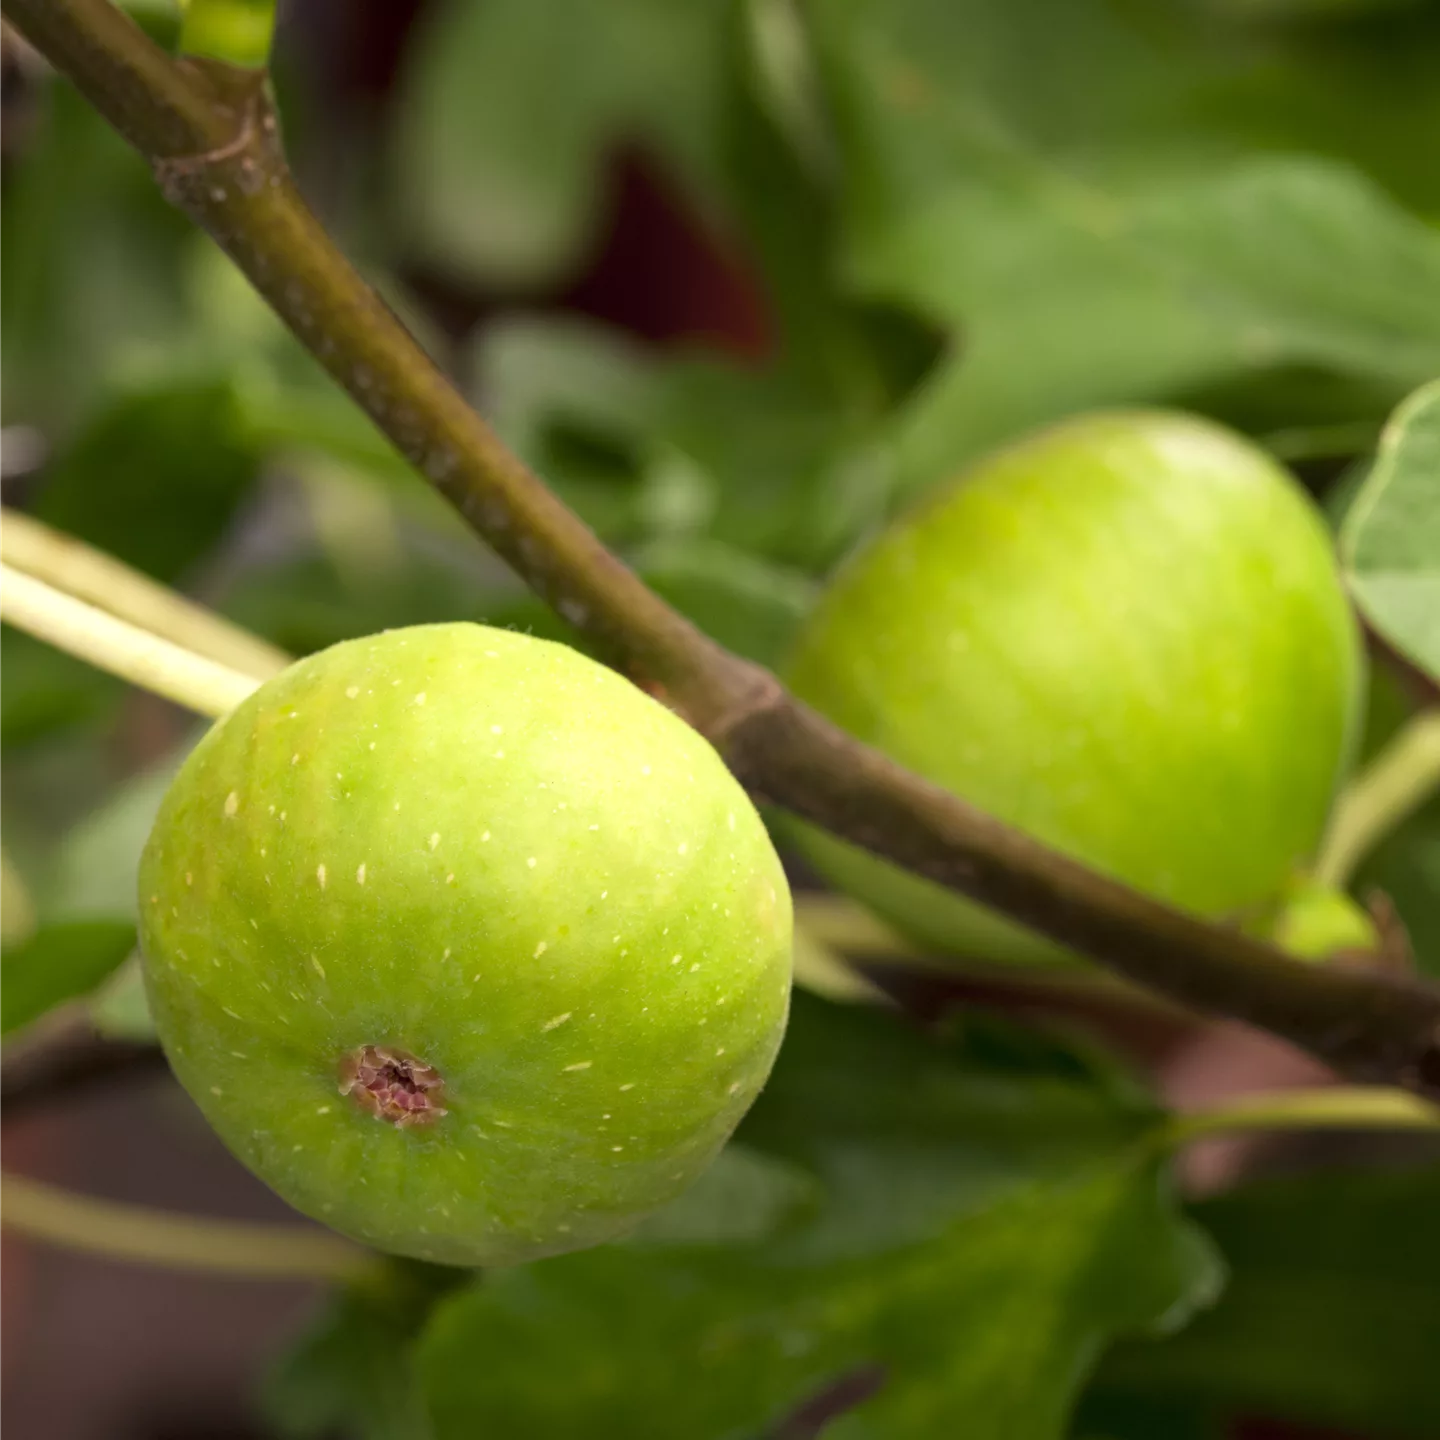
(1319, 923)
(490, 856)
(1127, 636)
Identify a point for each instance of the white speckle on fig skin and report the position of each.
(320, 875)
(579, 1065)
(540, 949)
(232, 803)
(557, 1021)
(360, 874)
(319, 968)
(434, 838)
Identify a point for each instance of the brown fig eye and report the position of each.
(393, 1085)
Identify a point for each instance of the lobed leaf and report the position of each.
(988, 1222)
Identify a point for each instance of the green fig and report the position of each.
(465, 945)
(1126, 635)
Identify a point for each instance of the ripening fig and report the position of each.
(465, 945)
(1125, 635)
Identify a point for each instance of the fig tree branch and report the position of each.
(211, 138)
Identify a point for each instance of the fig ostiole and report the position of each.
(1126, 635)
(465, 945)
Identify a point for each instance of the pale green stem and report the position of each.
(1395, 784)
(175, 1241)
(119, 647)
(1353, 1107)
(236, 31)
(842, 924)
(99, 579)
(821, 969)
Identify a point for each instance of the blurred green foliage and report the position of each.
(962, 218)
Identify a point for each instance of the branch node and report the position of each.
(250, 157)
(755, 693)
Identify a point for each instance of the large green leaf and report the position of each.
(777, 461)
(350, 1373)
(1332, 1315)
(1391, 536)
(90, 268)
(98, 862)
(47, 690)
(508, 108)
(155, 478)
(58, 963)
(990, 1221)
(1083, 262)
(981, 1331)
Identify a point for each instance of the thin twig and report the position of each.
(119, 647)
(101, 580)
(212, 139)
(1394, 785)
(178, 1242)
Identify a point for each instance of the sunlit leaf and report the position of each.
(1391, 536)
(1080, 274)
